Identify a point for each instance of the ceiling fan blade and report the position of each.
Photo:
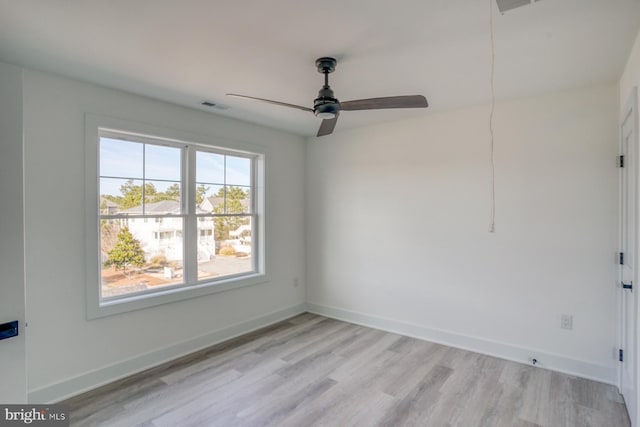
(327, 126)
(409, 101)
(283, 104)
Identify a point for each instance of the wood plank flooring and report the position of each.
(314, 371)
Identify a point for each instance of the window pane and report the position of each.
(211, 198)
(122, 195)
(238, 171)
(209, 168)
(162, 198)
(231, 241)
(162, 162)
(140, 254)
(120, 158)
(238, 199)
(206, 240)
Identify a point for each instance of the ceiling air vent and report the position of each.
(214, 105)
(505, 5)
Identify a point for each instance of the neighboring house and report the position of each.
(241, 239)
(163, 235)
(209, 203)
(107, 207)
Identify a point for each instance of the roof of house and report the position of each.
(108, 203)
(217, 201)
(162, 207)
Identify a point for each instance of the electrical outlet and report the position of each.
(566, 321)
(296, 282)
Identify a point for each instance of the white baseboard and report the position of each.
(90, 380)
(62, 390)
(554, 362)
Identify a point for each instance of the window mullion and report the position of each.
(255, 225)
(191, 226)
(224, 187)
(144, 179)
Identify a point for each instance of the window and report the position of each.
(175, 219)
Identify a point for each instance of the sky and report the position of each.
(123, 160)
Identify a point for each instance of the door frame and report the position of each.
(630, 110)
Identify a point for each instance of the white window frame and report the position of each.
(94, 125)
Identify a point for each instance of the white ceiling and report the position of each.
(189, 50)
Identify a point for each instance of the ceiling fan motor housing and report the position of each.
(329, 110)
(325, 103)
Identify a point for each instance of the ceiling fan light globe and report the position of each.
(326, 115)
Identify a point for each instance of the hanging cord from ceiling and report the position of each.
(492, 225)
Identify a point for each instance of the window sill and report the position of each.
(141, 301)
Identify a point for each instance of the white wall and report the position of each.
(67, 353)
(631, 75)
(12, 294)
(398, 217)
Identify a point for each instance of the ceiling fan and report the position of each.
(327, 107)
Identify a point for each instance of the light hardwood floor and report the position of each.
(314, 371)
